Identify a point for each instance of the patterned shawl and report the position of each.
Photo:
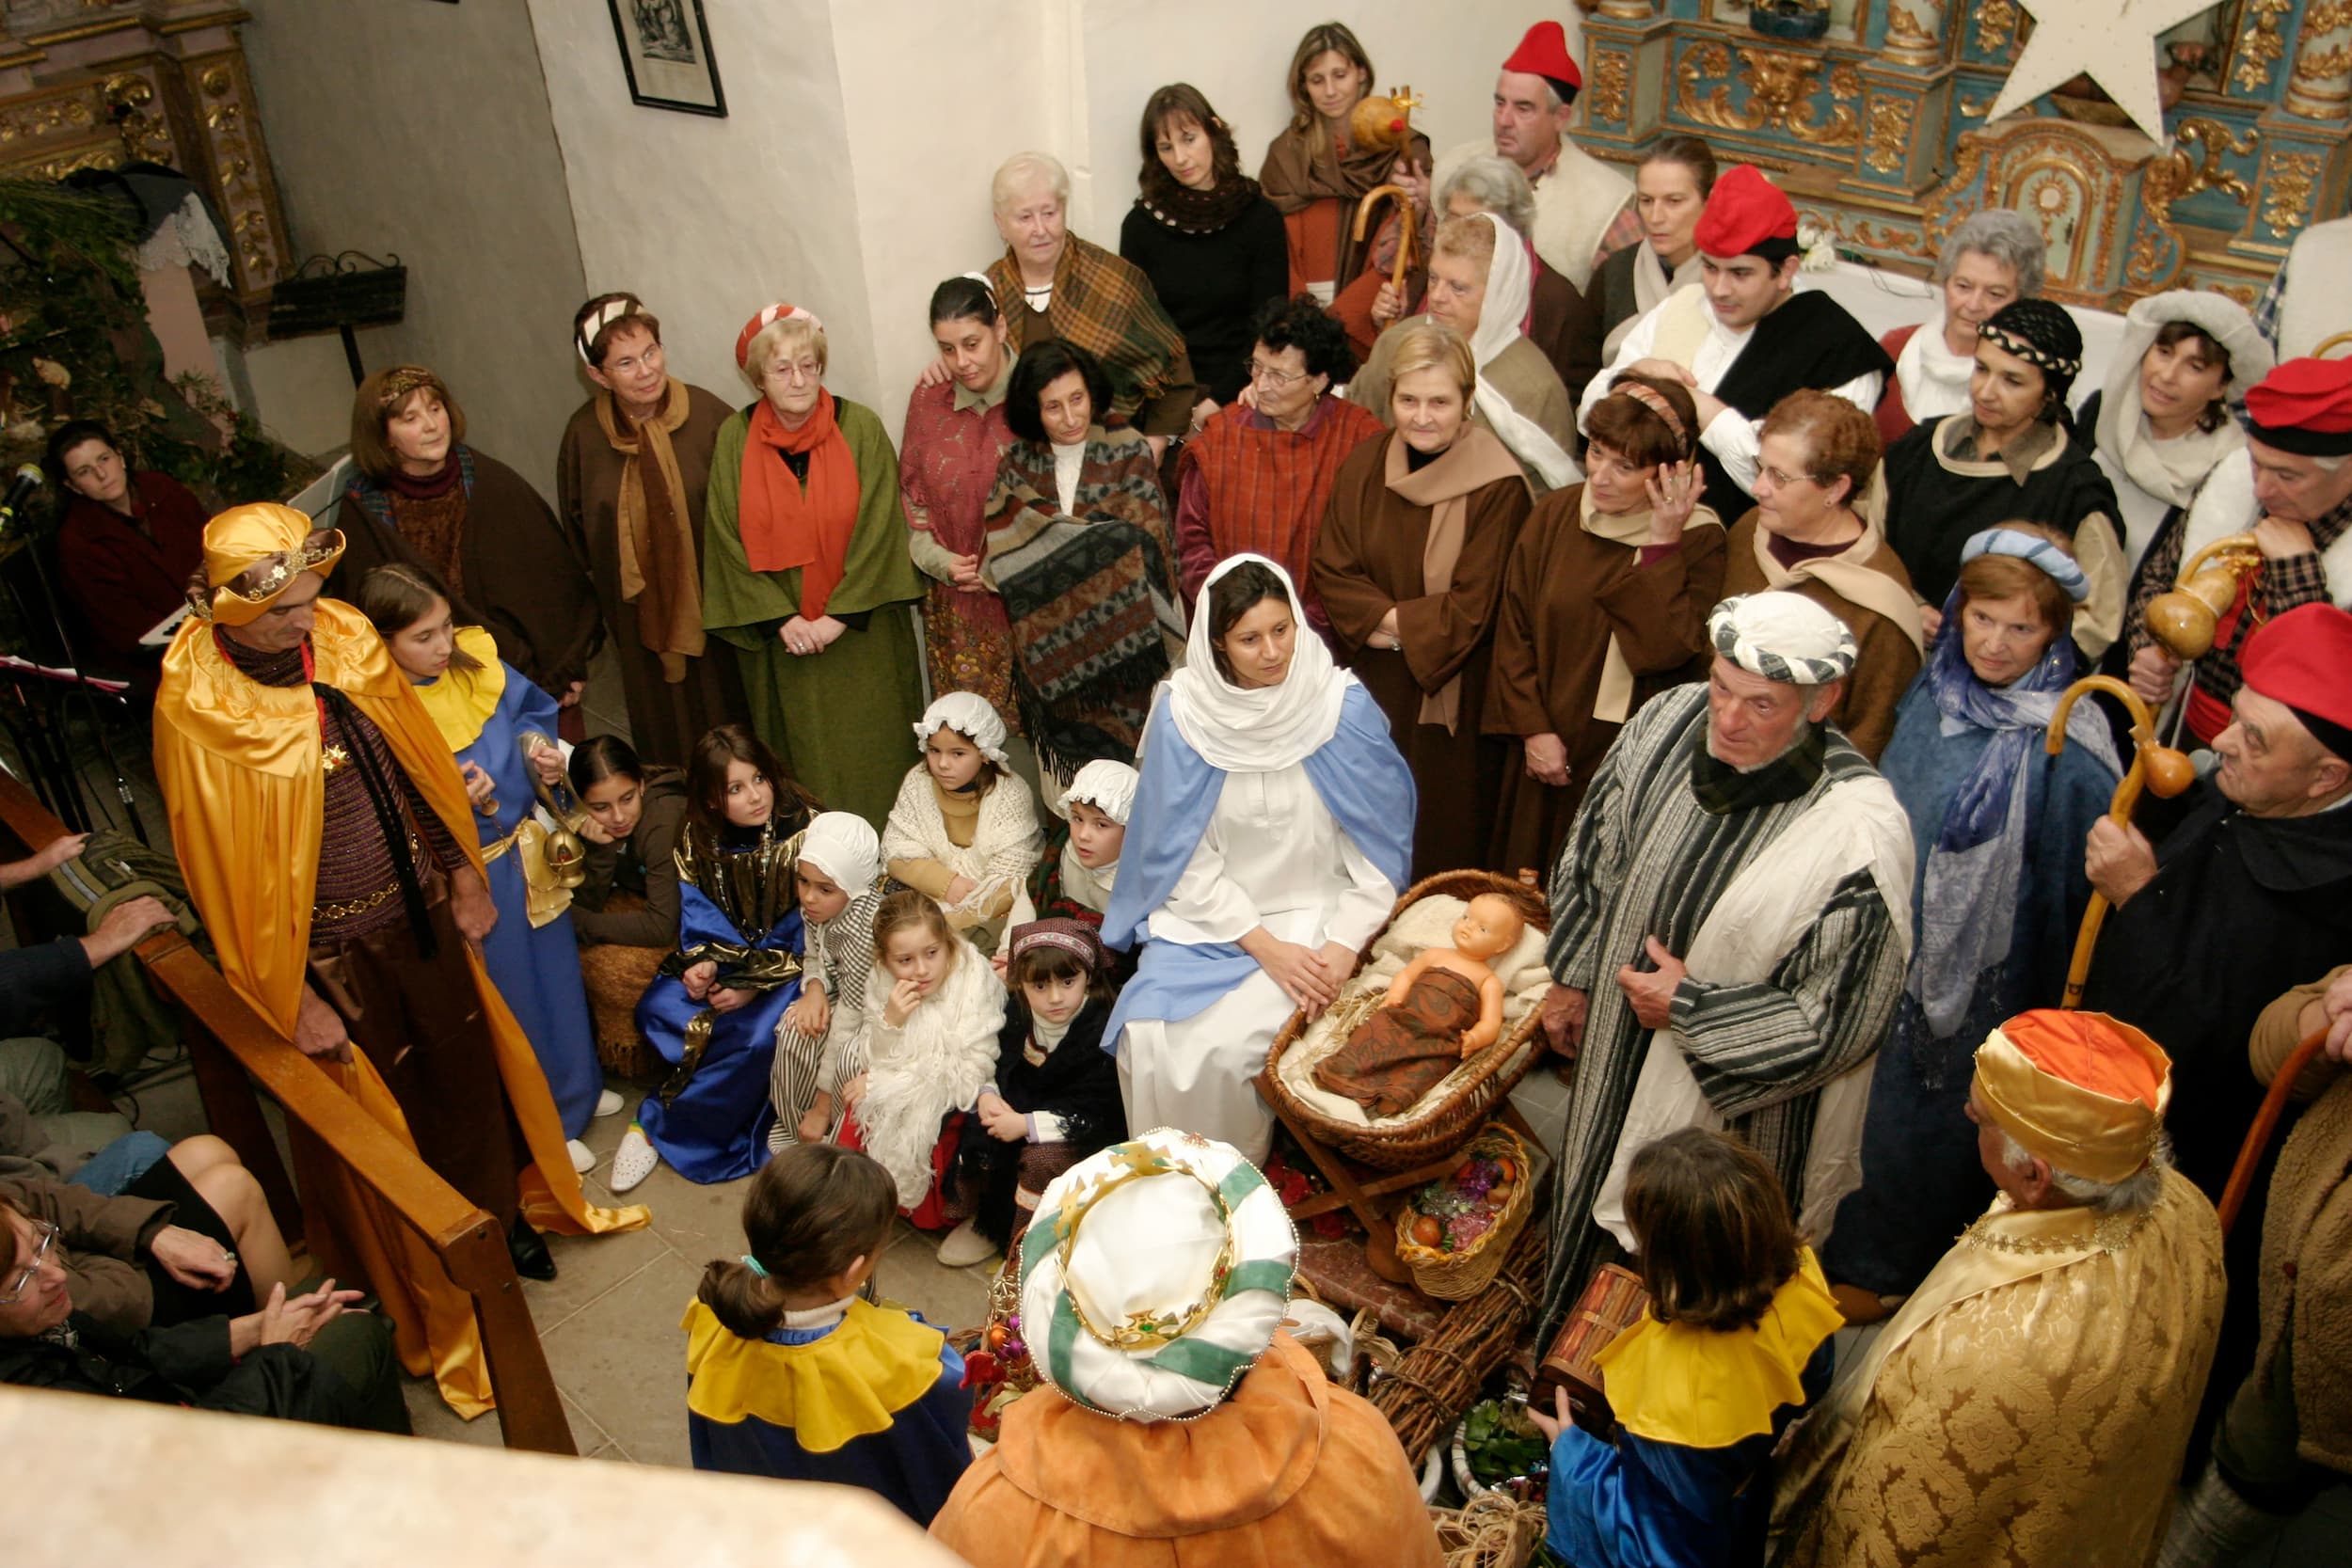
(1090, 593)
(1107, 307)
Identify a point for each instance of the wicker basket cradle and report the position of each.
(1469, 1101)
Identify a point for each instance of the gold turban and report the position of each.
(2081, 1090)
(254, 553)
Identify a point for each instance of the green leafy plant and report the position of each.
(74, 344)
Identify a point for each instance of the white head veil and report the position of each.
(1510, 281)
(1263, 729)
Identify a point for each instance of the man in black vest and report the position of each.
(1746, 337)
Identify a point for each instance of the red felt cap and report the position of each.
(1745, 212)
(1543, 52)
(2304, 407)
(2304, 660)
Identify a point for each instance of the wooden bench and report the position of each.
(232, 1050)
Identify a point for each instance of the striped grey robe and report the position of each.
(1645, 859)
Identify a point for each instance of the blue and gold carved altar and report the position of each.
(1877, 129)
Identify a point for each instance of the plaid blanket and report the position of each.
(1106, 305)
(1090, 595)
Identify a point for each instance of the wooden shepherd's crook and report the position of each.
(1373, 199)
(2157, 768)
(2249, 1154)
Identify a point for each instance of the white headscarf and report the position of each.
(2172, 472)
(1509, 282)
(1107, 784)
(1933, 379)
(1264, 729)
(970, 716)
(844, 846)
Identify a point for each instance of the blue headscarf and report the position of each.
(1968, 889)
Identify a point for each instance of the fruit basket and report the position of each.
(1454, 1232)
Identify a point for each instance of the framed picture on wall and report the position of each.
(665, 48)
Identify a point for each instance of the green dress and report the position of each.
(843, 720)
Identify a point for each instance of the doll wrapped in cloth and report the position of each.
(1442, 1006)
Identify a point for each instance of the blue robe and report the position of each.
(1922, 1183)
(1359, 774)
(912, 1462)
(715, 1129)
(537, 972)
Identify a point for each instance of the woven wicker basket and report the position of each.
(1459, 1276)
(1445, 1127)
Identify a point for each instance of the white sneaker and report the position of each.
(964, 1245)
(583, 1158)
(633, 1161)
(607, 1103)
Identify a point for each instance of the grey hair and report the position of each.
(2008, 237)
(2136, 1191)
(1023, 170)
(1497, 185)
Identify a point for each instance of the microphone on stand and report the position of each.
(27, 482)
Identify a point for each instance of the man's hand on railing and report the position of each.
(318, 1029)
(125, 926)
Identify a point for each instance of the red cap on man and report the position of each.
(2304, 407)
(1747, 215)
(1543, 52)
(2304, 660)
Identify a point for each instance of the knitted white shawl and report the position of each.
(935, 1064)
(1005, 842)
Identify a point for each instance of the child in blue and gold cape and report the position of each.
(1735, 1345)
(791, 1375)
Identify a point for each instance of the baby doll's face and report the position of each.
(952, 758)
(915, 953)
(1055, 1000)
(750, 798)
(821, 898)
(1094, 838)
(1487, 927)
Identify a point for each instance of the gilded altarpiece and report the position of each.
(97, 83)
(1878, 130)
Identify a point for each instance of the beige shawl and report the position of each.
(660, 573)
(1614, 702)
(1475, 460)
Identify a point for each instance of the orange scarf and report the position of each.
(785, 524)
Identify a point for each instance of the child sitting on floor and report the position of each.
(1735, 1344)
(839, 882)
(927, 1045)
(964, 829)
(1055, 1098)
(790, 1376)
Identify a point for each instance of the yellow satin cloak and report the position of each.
(239, 765)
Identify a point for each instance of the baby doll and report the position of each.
(1444, 1005)
(964, 829)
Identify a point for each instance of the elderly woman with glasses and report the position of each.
(1259, 477)
(1809, 532)
(805, 570)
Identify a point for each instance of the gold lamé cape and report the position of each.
(239, 765)
(2029, 1405)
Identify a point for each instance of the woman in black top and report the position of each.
(1212, 245)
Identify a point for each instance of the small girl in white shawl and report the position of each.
(838, 878)
(964, 827)
(928, 1045)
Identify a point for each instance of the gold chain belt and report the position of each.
(351, 907)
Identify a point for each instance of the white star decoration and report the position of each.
(2112, 41)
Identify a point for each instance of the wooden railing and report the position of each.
(234, 1049)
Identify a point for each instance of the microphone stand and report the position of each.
(73, 662)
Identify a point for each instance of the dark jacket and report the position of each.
(187, 1364)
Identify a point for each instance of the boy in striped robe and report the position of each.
(1730, 928)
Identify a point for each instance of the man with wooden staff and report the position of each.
(2251, 895)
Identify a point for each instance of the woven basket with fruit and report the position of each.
(1452, 1232)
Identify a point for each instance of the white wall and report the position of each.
(424, 130)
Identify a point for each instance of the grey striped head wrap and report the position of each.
(1782, 637)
